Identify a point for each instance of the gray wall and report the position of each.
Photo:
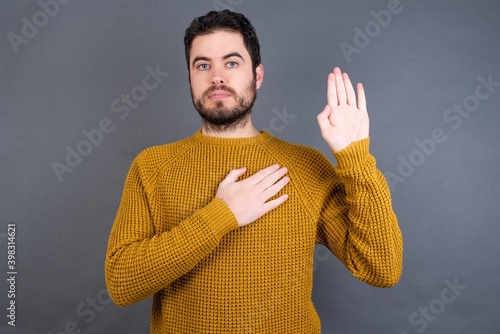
(433, 126)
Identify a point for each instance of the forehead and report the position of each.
(218, 44)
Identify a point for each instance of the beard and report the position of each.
(221, 118)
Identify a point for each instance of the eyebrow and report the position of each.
(229, 55)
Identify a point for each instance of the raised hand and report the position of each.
(343, 121)
(248, 199)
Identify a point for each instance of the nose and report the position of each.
(217, 78)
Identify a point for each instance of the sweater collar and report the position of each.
(231, 142)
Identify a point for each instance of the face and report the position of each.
(223, 85)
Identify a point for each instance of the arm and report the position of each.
(140, 262)
(358, 223)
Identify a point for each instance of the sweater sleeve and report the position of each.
(357, 221)
(140, 262)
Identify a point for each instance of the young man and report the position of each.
(221, 227)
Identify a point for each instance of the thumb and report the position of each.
(235, 174)
(323, 120)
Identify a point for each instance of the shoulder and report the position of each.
(155, 158)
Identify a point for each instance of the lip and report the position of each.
(219, 94)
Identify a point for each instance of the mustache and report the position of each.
(220, 87)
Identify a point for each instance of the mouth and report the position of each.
(219, 95)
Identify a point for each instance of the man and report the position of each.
(221, 227)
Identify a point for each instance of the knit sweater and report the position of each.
(173, 239)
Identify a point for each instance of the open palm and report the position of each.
(343, 120)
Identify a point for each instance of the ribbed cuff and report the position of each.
(353, 155)
(219, 218)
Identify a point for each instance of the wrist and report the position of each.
(353, 154)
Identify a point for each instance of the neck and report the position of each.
(244, 130)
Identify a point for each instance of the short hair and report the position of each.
(224, 20)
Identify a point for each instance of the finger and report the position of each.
(234, 175)
(272, 178)
(351, 96)
(361, 97)
(275, 188)
(323, 118)
(271, 205)
(260, 175)
(331, 91)
(339, 84)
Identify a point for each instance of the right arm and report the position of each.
(139, 262)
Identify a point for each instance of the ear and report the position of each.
(259, 75)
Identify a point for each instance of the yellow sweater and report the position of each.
(174, 239)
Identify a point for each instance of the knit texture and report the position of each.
(173, 239)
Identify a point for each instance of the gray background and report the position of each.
(427, 59)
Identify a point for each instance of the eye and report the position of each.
(232, 64)
(203, 67)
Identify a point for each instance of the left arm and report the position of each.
(357, 223)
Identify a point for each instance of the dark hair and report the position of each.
(225, 20)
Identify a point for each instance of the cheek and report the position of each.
(196, 89)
